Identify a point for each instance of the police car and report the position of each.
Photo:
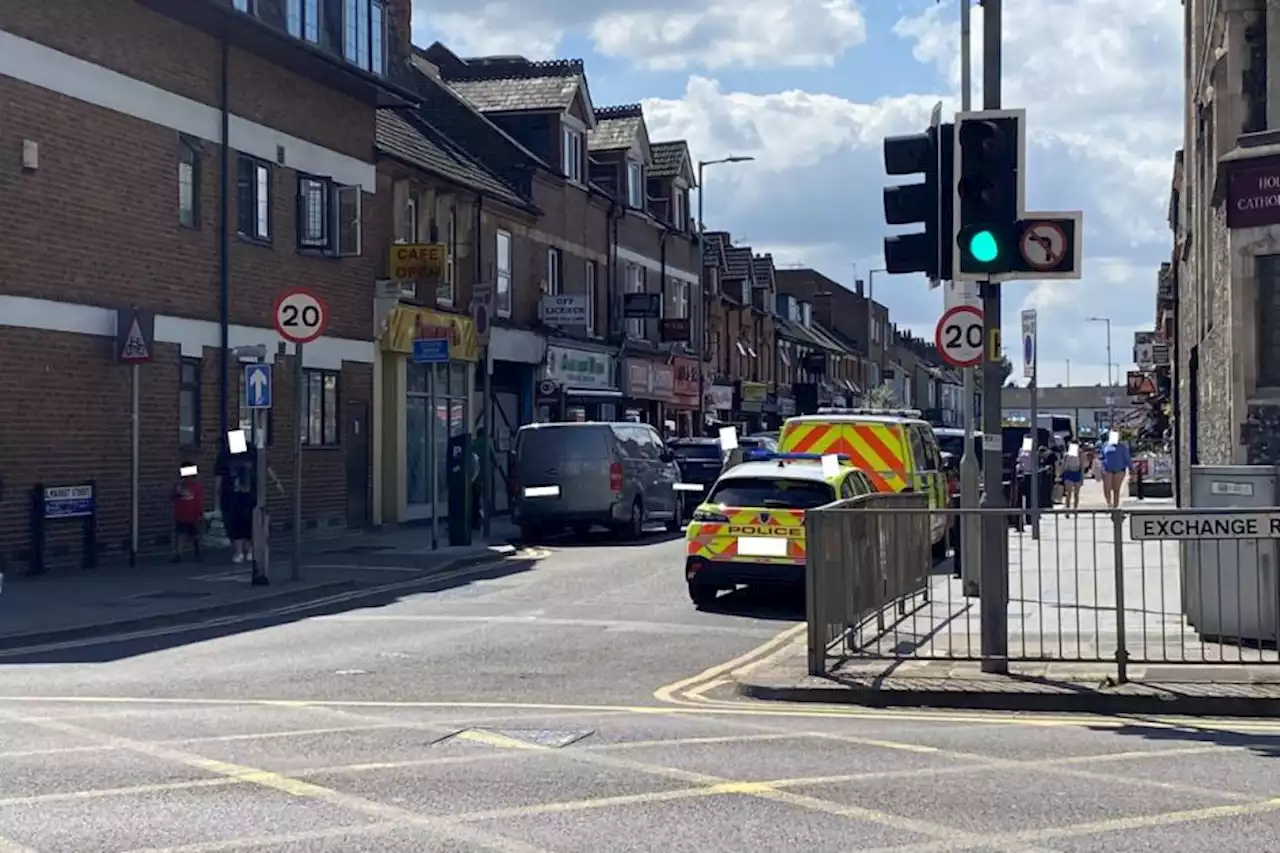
(749, 529)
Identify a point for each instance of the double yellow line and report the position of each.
(692, 691)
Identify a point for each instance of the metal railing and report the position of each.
(1086, 591)
(860, 563)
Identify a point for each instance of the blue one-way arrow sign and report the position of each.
(257, 386)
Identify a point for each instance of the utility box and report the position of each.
(1229, 586)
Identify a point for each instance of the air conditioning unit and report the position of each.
(387, 289)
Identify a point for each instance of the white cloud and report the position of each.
(654, 34)
(1101, 83)
(747, 33)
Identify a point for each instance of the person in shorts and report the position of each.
(237, 487)
(1072, 478)
(188, 511)
(1115, 464)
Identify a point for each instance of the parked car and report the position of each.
(576, 475)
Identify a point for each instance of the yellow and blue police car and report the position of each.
(750, 527)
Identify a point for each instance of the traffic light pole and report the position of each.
(994, 576)
(970, 556)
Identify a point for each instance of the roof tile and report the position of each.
(667, 158)
(616, 128)
(400, 138)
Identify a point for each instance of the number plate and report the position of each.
(761, 546)
(542, 492)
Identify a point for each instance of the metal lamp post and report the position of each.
(1111, 413)
(702, 297)
(871, 301)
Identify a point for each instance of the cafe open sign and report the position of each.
(423, 262)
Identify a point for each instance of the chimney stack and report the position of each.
(857, 287)
(400, 13)
(822, 313)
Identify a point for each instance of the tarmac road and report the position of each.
(571, 700)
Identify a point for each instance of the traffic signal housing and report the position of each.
(989, 169)
(926, 202)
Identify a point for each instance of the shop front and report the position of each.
(719, 406)
(750, 399)
(786, 405)
(649, 388)
(515, 359)
(423, 402)
(684, 406)
(578, 384)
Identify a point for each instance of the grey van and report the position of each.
(576, 475)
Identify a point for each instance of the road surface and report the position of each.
(570, 700)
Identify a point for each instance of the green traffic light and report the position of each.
(983, 247)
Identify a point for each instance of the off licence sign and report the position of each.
(1234, 525)
(418, 262)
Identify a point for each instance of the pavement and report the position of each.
(570, 700)
(67, 605)
(1064, 638)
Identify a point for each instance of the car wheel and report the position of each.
(635, 524)
(531, 533)
(673, 525)
(702, 595)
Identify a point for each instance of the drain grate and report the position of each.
(360, 549)
(546, 738)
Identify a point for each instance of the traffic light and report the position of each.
(927, 202)
(989, 158)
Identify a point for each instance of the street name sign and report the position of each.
(1205, 525)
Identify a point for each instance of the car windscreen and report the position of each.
(545, 447)
(698, 451)
(775, 492)
(954, 444)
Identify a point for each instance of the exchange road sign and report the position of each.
(1205, 525)
(959, 336)
(300, 316)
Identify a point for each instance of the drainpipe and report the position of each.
(486, 395)
(615, 308)
(224, 248)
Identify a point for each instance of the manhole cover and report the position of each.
(173, 595)
(547, 738)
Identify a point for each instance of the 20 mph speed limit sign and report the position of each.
(959, 336)
(300, 316)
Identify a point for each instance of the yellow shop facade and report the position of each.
(417, 408)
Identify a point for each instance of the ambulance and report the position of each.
(750, 528)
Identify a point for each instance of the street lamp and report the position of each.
(1111, 413)
(702, 266)
(871, 301)
(1106, 320)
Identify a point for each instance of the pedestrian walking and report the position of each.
(1115, 461)
(1072, 477)
(236, 495)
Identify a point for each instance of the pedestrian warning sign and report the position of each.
(1141, 384)
(135, 336)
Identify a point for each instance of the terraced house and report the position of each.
(654, 246)
(239, 165)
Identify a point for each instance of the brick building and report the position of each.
(163, 218)
(845, 311)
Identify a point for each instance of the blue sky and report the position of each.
(811, 87)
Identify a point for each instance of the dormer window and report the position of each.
(573, 158)
(635, 185)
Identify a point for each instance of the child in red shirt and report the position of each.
(188, 511)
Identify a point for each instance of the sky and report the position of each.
(810, 88)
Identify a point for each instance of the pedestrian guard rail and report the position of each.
(1149, 586)
(861, 562)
